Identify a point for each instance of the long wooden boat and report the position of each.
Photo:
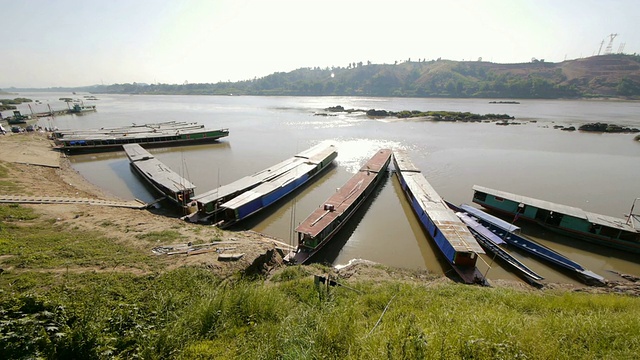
(149, 135)
(508, 232)
(176, 189)
(451, 236)
(298, 171)
(566, 220)
(320, 227)
(492, 243)
(209, 203)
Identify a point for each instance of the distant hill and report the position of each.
(610, 76)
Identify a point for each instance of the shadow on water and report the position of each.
(253, 220)
(329, 253)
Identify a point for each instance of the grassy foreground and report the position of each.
(51, 308)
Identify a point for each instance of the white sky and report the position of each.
(48, 43)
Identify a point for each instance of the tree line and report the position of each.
(614, 75)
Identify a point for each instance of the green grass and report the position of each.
(4, 172)
(167, 236)
(46, 245)
(190, 313)
(6, 185)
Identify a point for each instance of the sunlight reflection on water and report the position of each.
(353, 153)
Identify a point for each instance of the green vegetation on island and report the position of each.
(431, 115)
(8, 104)
(50, 308)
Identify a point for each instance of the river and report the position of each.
(596, 172)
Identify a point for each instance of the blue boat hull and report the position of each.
(468, 274)
(538, 250)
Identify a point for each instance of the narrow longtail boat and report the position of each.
(508, 232)
(209, 204)
(302, 168)
(149, 135)
(175, 188)
(493, 243)
(320, 227)
(449, 233)
(566, 220)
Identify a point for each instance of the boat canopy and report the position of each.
(593, 218)
(494, 220)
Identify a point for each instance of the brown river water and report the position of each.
(596, 172)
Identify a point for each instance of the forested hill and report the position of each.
(615, 75)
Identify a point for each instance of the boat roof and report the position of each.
(345, 196)
(248, 181)
(403, 162)
(135, 152)
(269, 186)
(470, 222)
(593, 218)
(130, 128)
(320, 151)
(488, 217)
(156, 170)
(143, 131)
(135, 135)
(430, 201)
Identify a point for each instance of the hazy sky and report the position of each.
(84, 42)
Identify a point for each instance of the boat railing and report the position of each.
(633, 218)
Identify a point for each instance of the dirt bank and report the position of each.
(35, 168)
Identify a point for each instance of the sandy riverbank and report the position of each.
(35, 168)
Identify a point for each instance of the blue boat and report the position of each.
(507, 231)
(492, 243)
(299, 170)
(451, 236)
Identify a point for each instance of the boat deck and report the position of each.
(593, 218)
(344, 198)
(431, 203)
(155, 170)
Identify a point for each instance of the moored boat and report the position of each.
(81, 108)
(451, 236)
(492, 243)
(150, 135)
(175, 188)
(508, 233)
(209, 203)
(566, 220)
(320, 227)
(297, 171)
(17, 118)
